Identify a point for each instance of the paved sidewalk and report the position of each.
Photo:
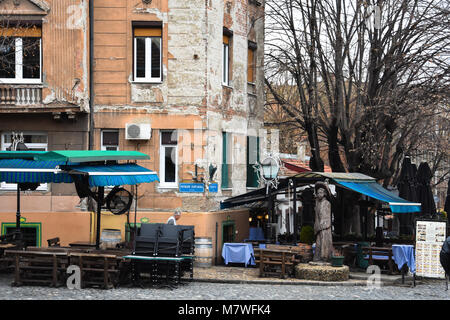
(233, 274)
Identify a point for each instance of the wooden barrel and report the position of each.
(203, 252)
(110, 238)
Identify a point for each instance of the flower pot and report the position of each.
(337, 261)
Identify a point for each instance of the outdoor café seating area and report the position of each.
(280, 260)
(160, 255)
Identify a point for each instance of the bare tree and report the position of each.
(370, 77)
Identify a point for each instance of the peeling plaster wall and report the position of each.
(191, 87)
(64, 48)
(65, 53)
(234, 109)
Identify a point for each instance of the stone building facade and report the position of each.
(186, 74)
(187, 96)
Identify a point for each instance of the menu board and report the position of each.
(430, 235)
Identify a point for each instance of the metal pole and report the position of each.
(269, 205)
(215, 258)
(101, 193)
(296, 220)
(91, 75)
(18, 209)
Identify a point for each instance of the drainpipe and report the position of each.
(91, 75)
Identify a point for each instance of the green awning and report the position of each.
(90, 155)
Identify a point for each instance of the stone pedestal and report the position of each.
(321, 272)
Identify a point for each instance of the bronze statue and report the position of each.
(322, 224)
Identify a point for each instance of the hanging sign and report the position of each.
(430, 235)
(213, 187)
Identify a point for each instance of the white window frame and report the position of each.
(148, 61)
(19, 65)
(4, 145)
(162, 163)
(102, 147)
(225, 64)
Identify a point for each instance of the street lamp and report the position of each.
(270, 169)
(268, 172)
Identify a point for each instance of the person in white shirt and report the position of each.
(173, 219)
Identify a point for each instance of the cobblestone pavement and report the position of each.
(428, 290)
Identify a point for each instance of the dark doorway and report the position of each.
(30, 234)
(228, 231)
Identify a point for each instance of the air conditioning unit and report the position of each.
(138, 131)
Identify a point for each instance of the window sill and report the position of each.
(22, 84)
(227, 86)
(171, 187)
(146, 82)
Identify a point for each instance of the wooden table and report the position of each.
(6, 262)
(380, 254)
(270, 258)
(39, 267)
(82, 244)
(97, 269)
(6, 245)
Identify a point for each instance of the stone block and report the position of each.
(308, 271)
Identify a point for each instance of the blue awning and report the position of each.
(115, 175)
(21, 170)
(376, 191)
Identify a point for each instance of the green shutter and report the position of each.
(224, 161)
(252, 156)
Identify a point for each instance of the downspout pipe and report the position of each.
(91, 75)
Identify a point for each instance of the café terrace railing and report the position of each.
(20, 95)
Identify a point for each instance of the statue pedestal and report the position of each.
(321, 271)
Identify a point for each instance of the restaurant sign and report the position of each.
(430, 235)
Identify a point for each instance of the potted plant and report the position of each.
(337, 258)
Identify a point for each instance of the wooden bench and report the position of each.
(380, 255)
(53, 242)
(39, 267)
(97, 269)
(274, 262)
(304, 252)
(6, 263)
